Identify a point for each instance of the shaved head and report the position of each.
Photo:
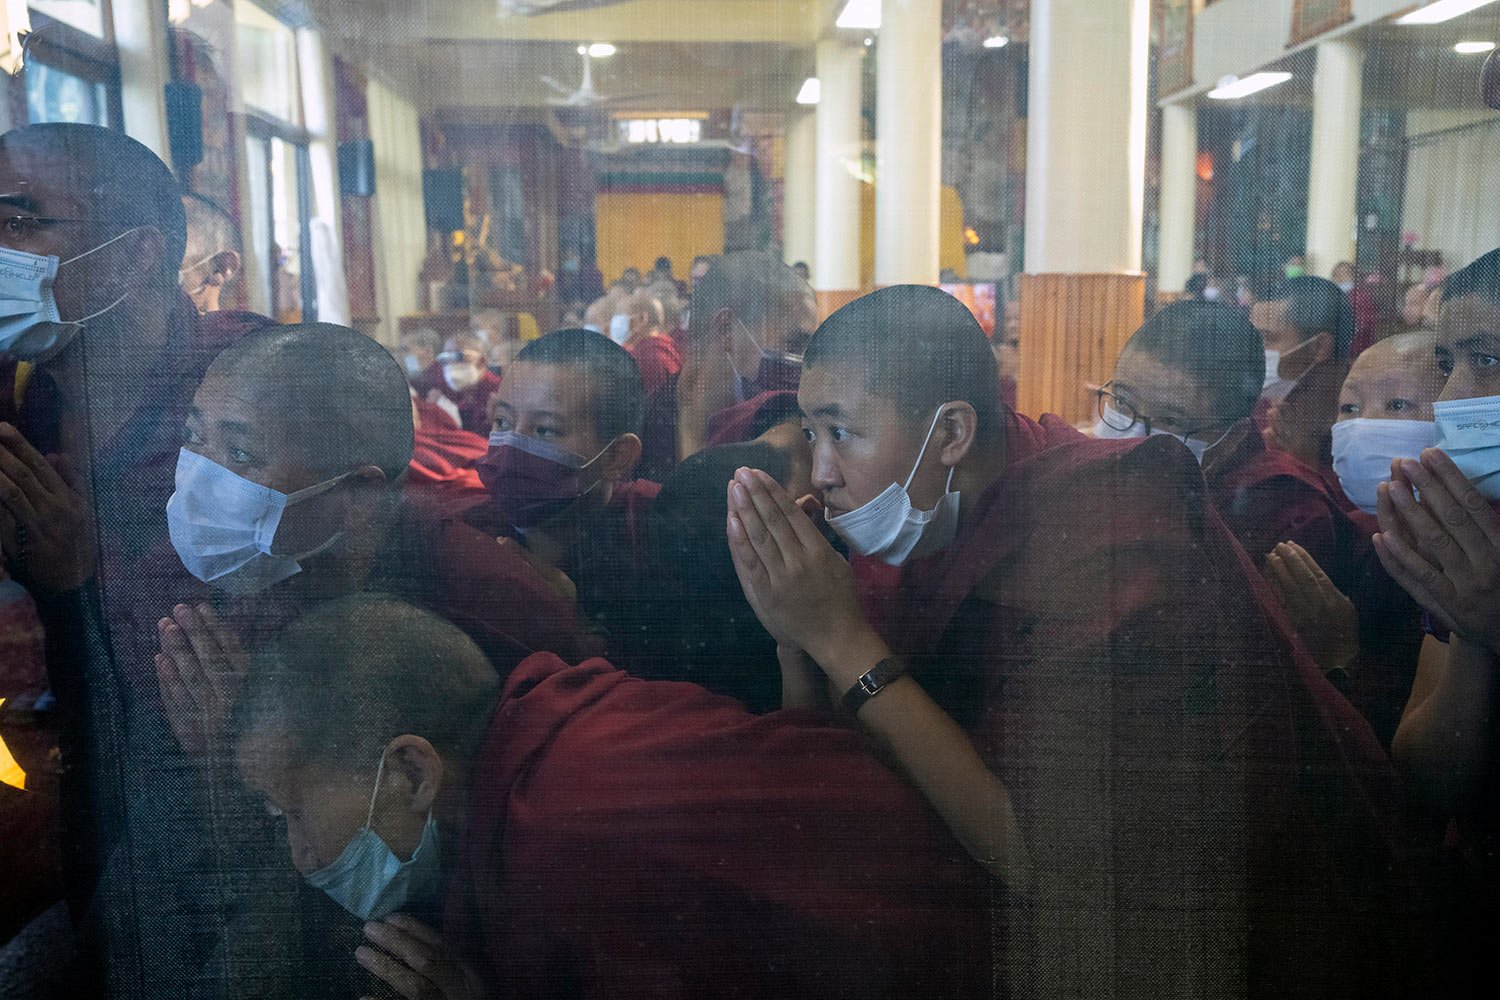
(340, 395)
(1393, 379)
(917, 346)
(758, 289)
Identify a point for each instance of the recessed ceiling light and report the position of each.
(1473, 48)
(811, 92)
(996, 42)
(1443, 10)
(602, 50)
(1232, 88)
(860, 14)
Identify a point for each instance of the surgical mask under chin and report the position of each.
(1468, 430)
(223, 526)
(31, 329)
(619, 329)
(370, 881)
(888, 528)
(1137, 430)
(775, 371)
(1364, 448)
(1275, 387)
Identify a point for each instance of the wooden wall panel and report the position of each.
(1072, 329)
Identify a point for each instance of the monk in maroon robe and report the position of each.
(1084, 675)
(461, 377)
(1194, 371)
(443, 452)
(611, 837)
(1307, 327)
(751, 316)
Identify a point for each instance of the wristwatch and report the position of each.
(872, 683)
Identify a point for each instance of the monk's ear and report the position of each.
(369, 477)
(418, 766)
(957, 430)
(226, 264)
(722, 326)
(620, 458)
(1323, 347)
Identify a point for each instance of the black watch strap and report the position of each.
(872, 683)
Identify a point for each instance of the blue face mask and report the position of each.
(1469, 431)
(31, 328)
(367, 878)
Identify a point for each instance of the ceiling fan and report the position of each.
(585, 96)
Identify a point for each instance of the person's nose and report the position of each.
(826, 474)
(1460, 385)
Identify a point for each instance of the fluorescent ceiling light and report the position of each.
(1232, 88)
(1473, 48)
(601, 50)
(860, 14)
(996, 42)
(1443, 10)
(811, 92)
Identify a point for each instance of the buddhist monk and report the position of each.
(1440, 539)
(1307, 325)
(560, 467)
(749, 320)
(1194, 371)
(1358, 624)
(646, 339)
(460, 374)
(1068, 606)
(568, 827)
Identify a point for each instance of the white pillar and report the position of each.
(1334, 161)
(908, 141)
(836, 245)
(1086, 136)
(799, 190)
(141, 41)
(1179, 194)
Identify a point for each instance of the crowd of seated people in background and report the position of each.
(713, 646)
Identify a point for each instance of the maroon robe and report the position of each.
(635, 839)
(1202, 809)
(473, 403)
(1267, 497)
(658, 358)
(443, 452)
(749, 420)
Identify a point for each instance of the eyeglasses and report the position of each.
(30, 225)
(1117, 414)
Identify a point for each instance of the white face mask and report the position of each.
(619, 328)
(1364, 448)
(223, 526)
(31, 328)
(413, 365)
(1468, 430)
(1346, 287)
(1137, 430)
(889, 529)
(1275, 387)
(1212, 294)
(461, 375)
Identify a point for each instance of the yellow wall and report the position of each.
(950, 234)
(632, 230)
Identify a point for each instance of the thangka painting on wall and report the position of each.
(1310, 18)
(1175, 65)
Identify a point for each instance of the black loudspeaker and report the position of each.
(1023, 86)
(357, 168)
(185, 124)
(443, 199)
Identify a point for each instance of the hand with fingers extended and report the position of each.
(800, 588)
(1326, 620)
(199, 668)
(1440, 540)
(416, 962)
(46, 529)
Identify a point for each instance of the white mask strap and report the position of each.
(925, 442)
(379, 772)
(190, 268)
(101, 246)
(98, 312)
(311, 491)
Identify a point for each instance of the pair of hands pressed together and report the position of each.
(1440, 540)
(802, 591)
(46, 527)
(1325, 619)
(199, 669)
(416, 961)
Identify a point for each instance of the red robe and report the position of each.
(749, 420)
(1165, 739)
(658, 359)
(1267, 497)
(443, 452)
(631, 838)
(473, 403)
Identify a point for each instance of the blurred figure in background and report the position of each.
(212, 259)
